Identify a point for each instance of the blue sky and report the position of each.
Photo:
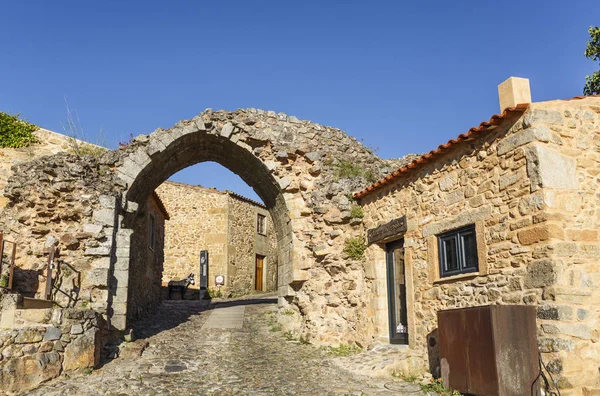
(401, 76)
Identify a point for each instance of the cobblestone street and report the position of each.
(189, 353)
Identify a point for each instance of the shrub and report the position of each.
(355, 248)
(15, 132)
(357, 212)
(438, 387)
(344, 350)
(345, 169)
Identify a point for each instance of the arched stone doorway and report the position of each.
(297, 168)
(153, 159)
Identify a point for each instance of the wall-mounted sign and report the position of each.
(219, 280)
(387, 230)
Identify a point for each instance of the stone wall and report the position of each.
(198, 221)
(52, 203)
(49, 143)
(565, 173)
(245, 243)
(146, 265)
(530, 187)
(71, 340)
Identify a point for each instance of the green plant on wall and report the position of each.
(355, 248)
(14, 132)
(357, 212)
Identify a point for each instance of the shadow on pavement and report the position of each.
(172, 313)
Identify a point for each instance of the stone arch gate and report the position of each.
(293, 165)
(304, 172)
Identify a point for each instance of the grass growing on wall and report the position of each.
(14, 132)
(355, 248)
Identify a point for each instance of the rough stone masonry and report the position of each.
(303, 171)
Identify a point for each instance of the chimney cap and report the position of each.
(514, 91)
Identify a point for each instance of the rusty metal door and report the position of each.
(489, 350)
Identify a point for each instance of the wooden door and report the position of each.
(260, 262)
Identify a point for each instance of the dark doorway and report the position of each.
(260, 262)
(397, 292)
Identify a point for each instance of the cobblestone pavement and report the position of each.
(184, 357)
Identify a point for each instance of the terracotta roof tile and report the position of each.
(496, 119)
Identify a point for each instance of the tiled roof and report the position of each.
(496, 120)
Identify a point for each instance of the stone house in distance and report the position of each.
(236, 231)
(507, 213)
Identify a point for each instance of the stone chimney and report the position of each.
(514, 91)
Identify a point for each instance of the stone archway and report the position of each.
(297, 168)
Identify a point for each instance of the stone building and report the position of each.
(236, 231)
(507, 213)
(146, 264)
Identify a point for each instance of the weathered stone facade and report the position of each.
(223, 223)
(44, 343)
(297, 167)
(529, 184)
(147, 259)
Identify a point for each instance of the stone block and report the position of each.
(155, 146)
(133, 349)
(130, 168)
(140, 157)
(578, 330)
(28, 372)
(227, 130)
(555, 312)
(537, 133)
(119, 322)
(541, 273)
(98, 277)
(104, 217)
(107, 201)
(92, 228)
(52, 334)
(120, 294)
(83, 352)
(548, 168)
(121, 277)
(551, 117)
(463, 219)
(103, 262)
(76, 329)
(552, 344)
(26, 336)
(449, 181)
(119, 308)
(97, 251)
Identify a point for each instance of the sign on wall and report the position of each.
(219, 280)
(387, 230)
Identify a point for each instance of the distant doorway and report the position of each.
(259, 272)
(397, 292)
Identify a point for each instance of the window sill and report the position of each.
(449, 279)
